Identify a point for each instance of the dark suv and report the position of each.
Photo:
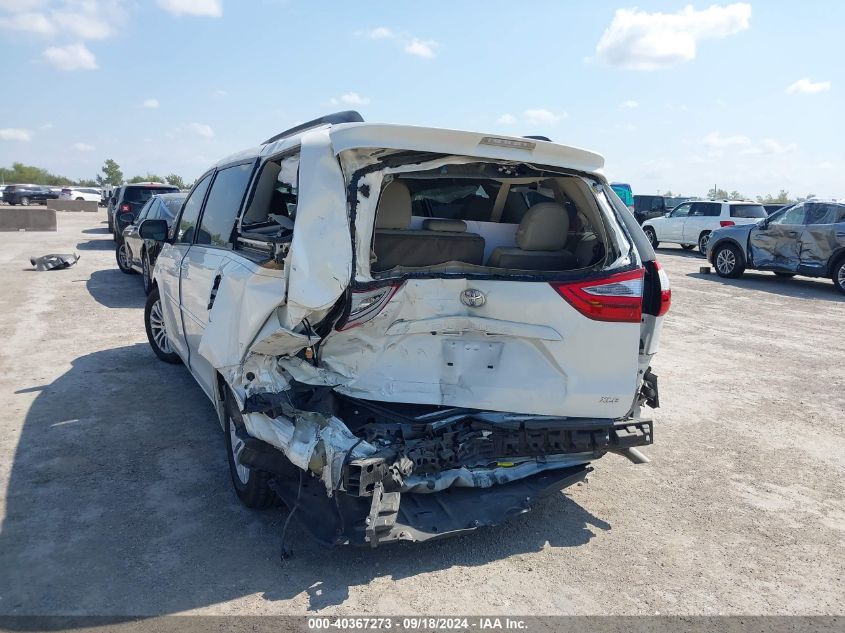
(131, 199)
(25, 194)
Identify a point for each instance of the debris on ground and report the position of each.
(54, 262)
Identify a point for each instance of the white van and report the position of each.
(410, 332)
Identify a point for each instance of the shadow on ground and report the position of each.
(115, 289)
(104, 230)
(798, 287)
(96, 245)
(120, 504)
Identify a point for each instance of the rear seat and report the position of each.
(440, 241)
(540, 240)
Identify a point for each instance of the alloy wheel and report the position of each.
(702, 243)
(123, 257)
(157, 328)
(725, 261)
(237, 448)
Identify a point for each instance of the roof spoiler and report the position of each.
(347, 116)
(539, 138)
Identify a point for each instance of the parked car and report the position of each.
(647, 207)
(2, 189)
(27, 194)
(691, 223)
(81, 193)
(772, 208)
(805, 239)
(135, 254)
(396, 345)
(626, 195)
(130, 199)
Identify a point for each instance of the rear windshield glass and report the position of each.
(748, 211)
(142, 194)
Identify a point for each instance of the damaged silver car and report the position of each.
(410, 332)
(807, 238)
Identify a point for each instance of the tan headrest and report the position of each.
(545, 227)
(394, 207)
(453, 226)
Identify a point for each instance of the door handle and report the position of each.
(213, 295)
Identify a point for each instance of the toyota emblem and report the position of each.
(473, 298)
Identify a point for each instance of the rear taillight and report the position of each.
(727, 223)
(617, 297)
(124, 208)
(366, 304)
(665, 290)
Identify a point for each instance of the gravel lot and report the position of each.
(117, 501)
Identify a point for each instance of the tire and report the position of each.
(652, 236)
(687, 247)
(785, 275)
(156, 332)
(25, 201)
(839, 275)
(146, 274)
(121, 254)
(703, 239)
(80, 198)
(728, 261)
(111, 225)
(250, 484)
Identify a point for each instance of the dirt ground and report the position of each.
(116, 495)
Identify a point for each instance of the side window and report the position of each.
(682, 211)
(712, 210)
(276, 192)
(191, 212)
(148, 211)
(793, 215)
(223, 204)
(824, 213)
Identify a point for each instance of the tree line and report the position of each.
(110, 174)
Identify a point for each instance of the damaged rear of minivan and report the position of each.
(467, 322)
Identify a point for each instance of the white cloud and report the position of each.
(542, 116)
(421, 48)
(506, 119)
(202, 130)
(152, 104)
(47, 126)
(380, 33)
(210, 8)
(28, 22)
(630, 104)
(716, 140)
(21, 5)
(352, 98)
(15, 134)
(638, 40)
(71, 57)
(771, 146)
(807, 87)
(83, 147)
(85, 24)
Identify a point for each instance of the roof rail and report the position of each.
(539, 138)
(347, 116)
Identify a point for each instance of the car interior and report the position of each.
(522, 224)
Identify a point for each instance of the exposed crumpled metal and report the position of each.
(54, 262)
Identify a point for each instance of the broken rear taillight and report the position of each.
(727, 223)
(617, 297)
(665, 290)
(367, 303)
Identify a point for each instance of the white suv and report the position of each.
(84, 193)
(410, 332)
(690, 224)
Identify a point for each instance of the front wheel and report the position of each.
(121, 254)
(80, 199)
(147, 275)
(839, 275)
(251, 485)
(687, 247)
(703, 239)
(156, 329)
(25, 201)
(652, 236)
(728, 261)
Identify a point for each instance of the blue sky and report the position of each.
(675, 96)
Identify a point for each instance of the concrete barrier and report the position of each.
(71, 205)
(27, 219)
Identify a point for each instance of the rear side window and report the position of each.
(224, 202)
(191, 212)
(825, 213)
(748, 211)
(706, 209)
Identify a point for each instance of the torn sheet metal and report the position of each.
(54, 262)
(818, 243)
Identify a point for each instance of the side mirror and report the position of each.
(126, 218)
(154, 230)
(667, 214)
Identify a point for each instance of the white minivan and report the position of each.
(691, 223)
(410, 332)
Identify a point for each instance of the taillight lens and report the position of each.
(617, 297)
(727, 223)
(366, 304)
(665, 290)
(124, 208)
